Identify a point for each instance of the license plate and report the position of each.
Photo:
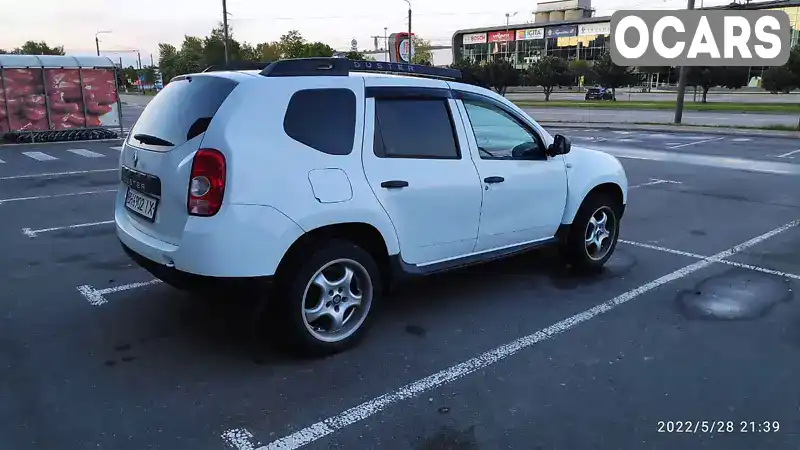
(141, 204)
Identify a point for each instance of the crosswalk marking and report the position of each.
(86, 153)
(39, 156)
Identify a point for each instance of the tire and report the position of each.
(575, 249)
(297, 299)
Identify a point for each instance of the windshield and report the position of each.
(181, 111)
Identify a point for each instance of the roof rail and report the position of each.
(237, 65)
(342, 67)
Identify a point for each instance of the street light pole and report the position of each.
(684, 74)
(97, 39)
(225, 29)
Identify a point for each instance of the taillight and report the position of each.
(206, 183)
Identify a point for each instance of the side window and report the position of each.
(414, 128)
(323, 119)
(500, 135)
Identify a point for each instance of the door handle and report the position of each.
(494, 180)
(394, 184)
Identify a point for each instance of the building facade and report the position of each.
(578, 37)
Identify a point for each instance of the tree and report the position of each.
(707, 77)
(149, 73)
(292, 44)
(3, 52)
(316, 49)
(610, 75)
(130, 75)
(422, 51)
(354, 56)
(268, 51)
(549, 72)
(248, 53)
(38, 48)
(581, 68)
(168, 61)
(471, 72)
(500, 74)
(191, 55)
(779, 79)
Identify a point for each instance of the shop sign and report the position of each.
(529, 34)
(562, 31)
(501, 36)
(593, 29)
(475, 38)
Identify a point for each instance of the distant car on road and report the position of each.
(599, 93)
(317, 186)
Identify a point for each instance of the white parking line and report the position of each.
(56, 174)
(39, 156)
(2, 162)
(698, 142)
(654, 182)
(741, 139)
(789, 155)
(722, 261)
(371, 407)
(33, 233)
(86, 153)
(239, 438)
(119, 149)
(41, 197)
(97, 297)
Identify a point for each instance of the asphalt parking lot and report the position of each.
(694, 326)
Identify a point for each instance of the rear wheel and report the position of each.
(326, 304)
(594, 232)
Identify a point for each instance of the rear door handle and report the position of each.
(494, 180)
(394, 184)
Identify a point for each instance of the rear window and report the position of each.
(181, 111)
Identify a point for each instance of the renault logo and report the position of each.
(135, 158)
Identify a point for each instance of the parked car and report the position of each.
(599, 93)
(318, 185)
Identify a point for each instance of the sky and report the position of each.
(142, 24)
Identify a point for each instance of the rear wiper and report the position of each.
(152, 140)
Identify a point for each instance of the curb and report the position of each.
(60, 142)
(676, 129)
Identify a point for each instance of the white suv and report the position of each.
(335, 182)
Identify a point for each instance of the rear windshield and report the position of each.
(181, 111)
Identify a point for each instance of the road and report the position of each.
(733, 119)
(521, 354)
(713, 97)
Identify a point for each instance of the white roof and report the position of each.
(49, 61)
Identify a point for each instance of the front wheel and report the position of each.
(325, 306)
(594, 232)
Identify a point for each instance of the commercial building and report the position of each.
(569, 30)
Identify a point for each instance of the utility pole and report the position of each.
(139, 72)
(410, 41)
(682, 84)
(386, 42)
(97, 44)
(225, 29)
(152, 64)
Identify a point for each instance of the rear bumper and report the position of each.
(191, 282)
(242, 241)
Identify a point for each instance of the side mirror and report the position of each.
(561, 146)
